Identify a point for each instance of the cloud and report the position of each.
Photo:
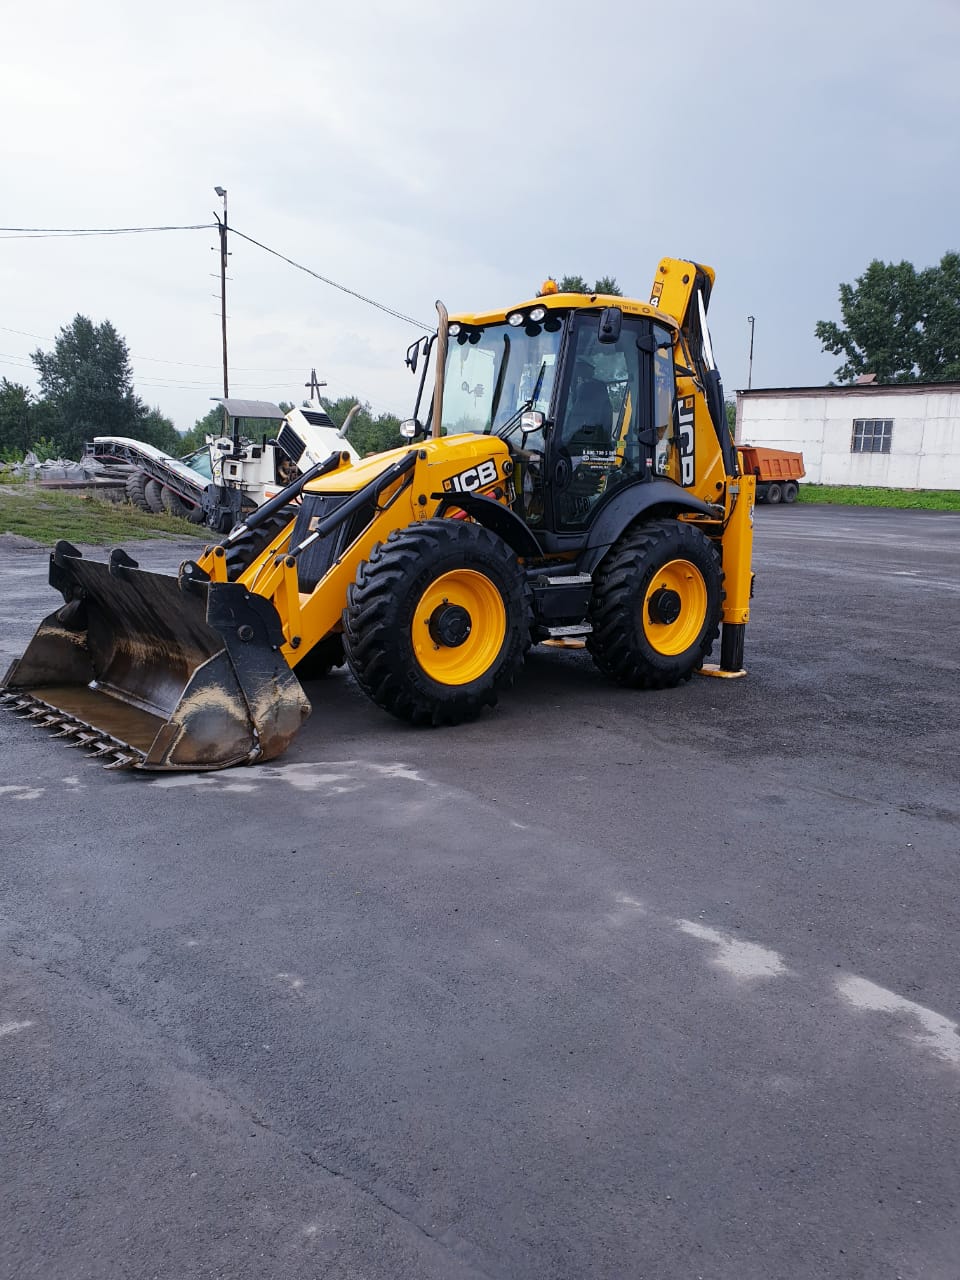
(459, 153)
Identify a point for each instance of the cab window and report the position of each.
(600, 419)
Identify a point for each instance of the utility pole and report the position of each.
(314, 386)
(222, 222)
(750, 322)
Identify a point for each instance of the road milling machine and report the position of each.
(574, 482)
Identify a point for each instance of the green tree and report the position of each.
(898, 323)
(26, 423)
(578, 284)
(16, 425)
(87, 379)
(211, 424)
(157, 429)
(938, 344)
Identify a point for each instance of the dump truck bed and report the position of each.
(772, 464)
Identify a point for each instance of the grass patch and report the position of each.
(45, 515)
(863, 496)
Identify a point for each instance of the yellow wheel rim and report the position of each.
(675, 607)
(439, 621)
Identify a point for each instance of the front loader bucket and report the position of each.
(152, 672)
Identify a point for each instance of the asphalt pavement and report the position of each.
(605, 985)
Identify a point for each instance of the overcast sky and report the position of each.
(461, 151)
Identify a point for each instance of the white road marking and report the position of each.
(626, 910)
(295, 983)
(337, 777)
(747, 960)
(939, 1034)
(10, 1028)
(21, 793)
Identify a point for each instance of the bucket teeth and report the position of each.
(117, 755)
(121, 762)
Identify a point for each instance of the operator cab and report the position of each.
(583, 396)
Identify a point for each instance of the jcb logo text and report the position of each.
(475, 478)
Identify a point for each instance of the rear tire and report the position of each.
(152, 492)
(134, 490)
(437, 622)
(790, 492)
(656, 605)
(251, 545)
(774, 494)
(175, 506)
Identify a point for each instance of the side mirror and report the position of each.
(531, 420)
(611, 319)
(409, 428)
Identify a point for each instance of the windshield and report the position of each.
(492, 372)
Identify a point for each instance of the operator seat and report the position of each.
(588, 424)
(588, 440)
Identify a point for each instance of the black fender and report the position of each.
(496, 517)
(625, 506)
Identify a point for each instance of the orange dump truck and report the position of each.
(778, 472)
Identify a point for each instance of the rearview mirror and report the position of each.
(611, 319)
(409, 428)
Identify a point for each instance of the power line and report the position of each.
(12, 233)
(47, 233)
(41, 233)
(399, 315)
(186, 364)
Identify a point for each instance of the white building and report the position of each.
(895, 437)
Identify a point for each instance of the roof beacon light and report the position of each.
(549, 286)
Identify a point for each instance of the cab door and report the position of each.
(614, 421)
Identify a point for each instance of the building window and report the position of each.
(871, 435)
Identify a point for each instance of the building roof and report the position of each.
(853, 389)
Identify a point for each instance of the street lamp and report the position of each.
(750, 322)
(222, 193)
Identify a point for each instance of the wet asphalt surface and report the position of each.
(607, 984)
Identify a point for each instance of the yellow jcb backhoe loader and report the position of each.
(576, 482)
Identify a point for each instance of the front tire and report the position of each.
(437, 622)
(656, 605)
(134, 490)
